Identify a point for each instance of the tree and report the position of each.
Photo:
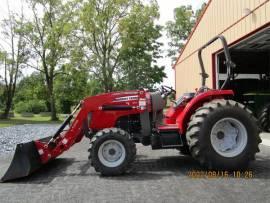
(179, 29)
(31, 94)
(100, 21)
(48, 37)
(140, 48)
(72, 87)
(200, 10)
(12, 60)
(110, 40)
(32, 87)
(2, 99)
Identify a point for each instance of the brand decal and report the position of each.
(127, 98)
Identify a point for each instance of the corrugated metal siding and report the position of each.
(220, 15)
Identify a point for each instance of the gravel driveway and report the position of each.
(157, 176)
(11, 136)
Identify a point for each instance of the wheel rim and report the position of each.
(111, 153)
(229, 137)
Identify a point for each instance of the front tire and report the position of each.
(223, 135)
(112, 151)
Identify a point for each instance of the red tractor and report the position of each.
(217, 131)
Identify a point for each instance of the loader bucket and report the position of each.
(25, 161)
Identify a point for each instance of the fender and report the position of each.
(183, 118)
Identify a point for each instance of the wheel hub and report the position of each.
(111, 153)
(228, 137)
(220, 135)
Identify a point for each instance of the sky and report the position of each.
(166, 14)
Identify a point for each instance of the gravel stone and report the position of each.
(11, 136)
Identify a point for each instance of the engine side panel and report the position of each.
(106, 109)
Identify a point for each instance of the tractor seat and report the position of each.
(184, 98)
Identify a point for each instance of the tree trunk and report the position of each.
(52, 103)
(108, 83)
(108, 87)
(53, 109)
(7, 108)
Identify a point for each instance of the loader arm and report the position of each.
(63, 140)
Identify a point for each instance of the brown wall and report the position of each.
(220, 15)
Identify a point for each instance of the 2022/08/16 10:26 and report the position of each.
(220, 174)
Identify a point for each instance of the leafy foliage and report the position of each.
(179, 29)
(31, 95)
(120, 39)
(13, 58)
(140, 48)
(72, 87)
(32, 106)
(198, 13)
(48, 36)
(32, 87)
(100, 22)
(84, 47)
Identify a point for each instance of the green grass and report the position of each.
(2, 125)
(36, 119)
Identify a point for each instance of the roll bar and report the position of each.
(228, 62)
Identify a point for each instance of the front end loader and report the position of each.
(220, 133)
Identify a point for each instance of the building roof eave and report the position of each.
(192, 32)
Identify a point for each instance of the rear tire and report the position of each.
(112, 151)
(264, 118)
(223, 135)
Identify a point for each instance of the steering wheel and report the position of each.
(166, 91)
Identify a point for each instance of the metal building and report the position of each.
(246, 26)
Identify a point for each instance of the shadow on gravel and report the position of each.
(261, 168)
(180, 166)
(143, 169)
(154, 169)
(46, 174)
